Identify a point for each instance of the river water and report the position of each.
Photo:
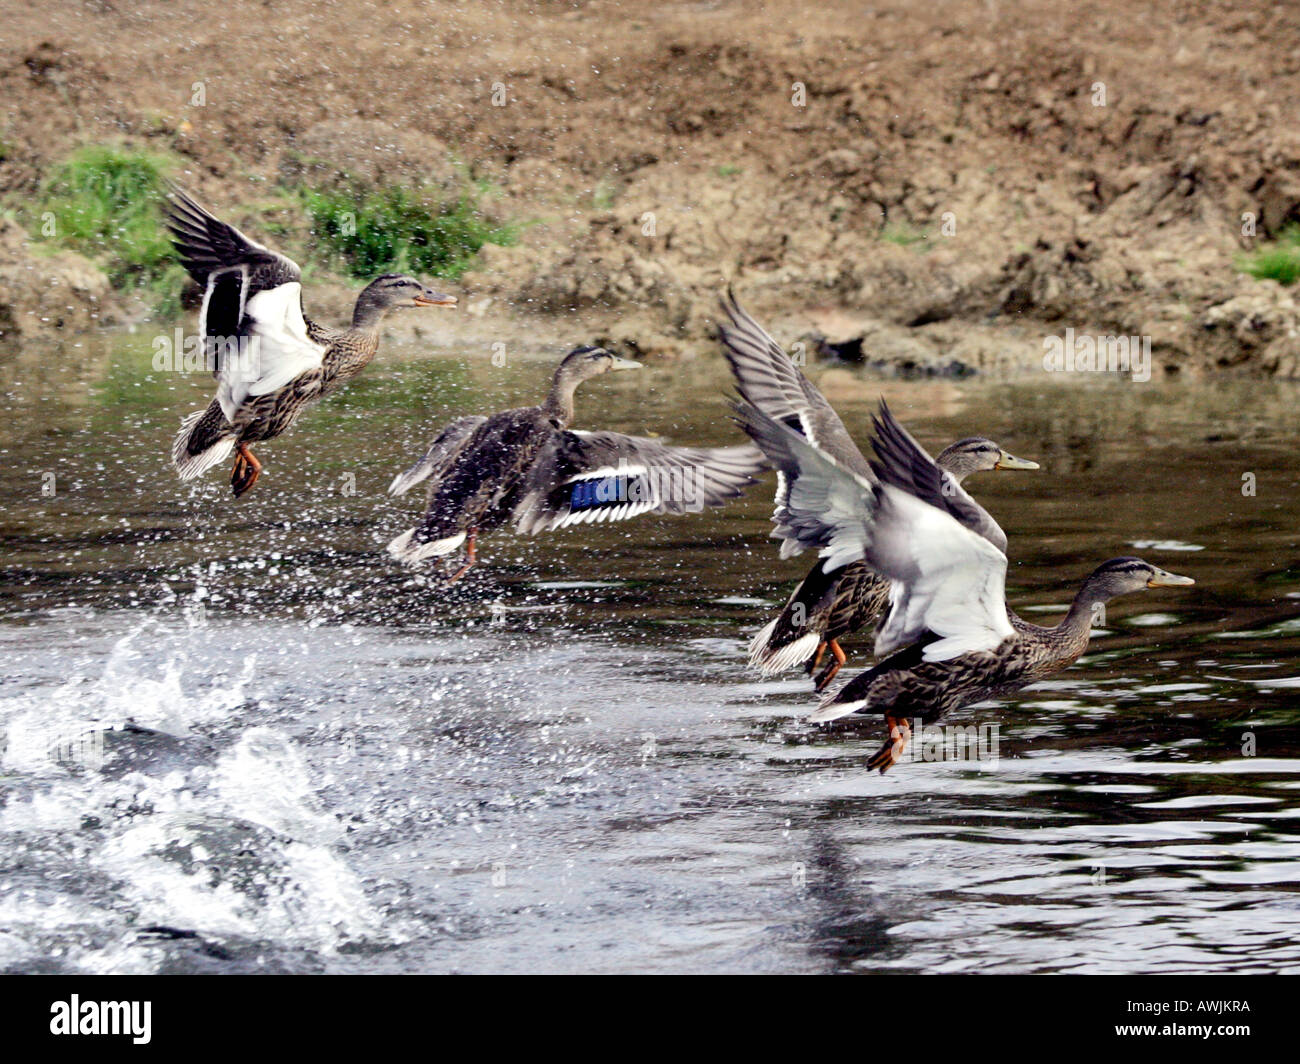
(237, 738)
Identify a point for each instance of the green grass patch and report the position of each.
(105, 202)
(108, 203)
(604, 195)
(399, 230)
(1279, 261)
(903, 235)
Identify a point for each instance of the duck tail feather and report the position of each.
(772, 658)
(833, 710)
(405, 549)
(187, 465)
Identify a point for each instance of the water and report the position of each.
(236, 738)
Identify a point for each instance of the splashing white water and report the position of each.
(228, 843)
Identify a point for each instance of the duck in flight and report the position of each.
(949, 639)
(827, 605)
(528, 467)
(270, 361)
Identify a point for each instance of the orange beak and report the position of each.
(430, 298)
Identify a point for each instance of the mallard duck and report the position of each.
(269, 360)
(827, 605)
(526, 466)
(949, 639)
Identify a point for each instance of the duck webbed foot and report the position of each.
(471, 556)
(828, 674)
(245, 472)
(900, 733)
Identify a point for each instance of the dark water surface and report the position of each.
(238, 738)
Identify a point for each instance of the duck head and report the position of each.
(583, 363)
(395, 290)
(1120, 576)
(978, 454)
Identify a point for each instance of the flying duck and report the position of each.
(827, 605)
(528, 467)
(949, 639)
(270, 361)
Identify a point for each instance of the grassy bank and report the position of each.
(108, 203)
(104, 202)
(1278, 261)
(373, 231)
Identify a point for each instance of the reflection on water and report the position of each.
(237, 738)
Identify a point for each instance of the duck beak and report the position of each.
(1010, 461)
(1164, 579)
(430, 298)
(623, 363)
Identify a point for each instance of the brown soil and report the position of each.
(829, 218)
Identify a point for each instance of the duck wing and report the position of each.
(948, 581)
(901, 461)
(581, 477)
(251, 318)
(768, 379)
(440, 456)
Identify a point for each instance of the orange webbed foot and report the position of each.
(900, 733)
(245, 472)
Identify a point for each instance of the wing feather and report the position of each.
(205, 244)
(585, 477)
(946, 578)
(251, 318)
(444, 450)
(903, 462)
(768, 379)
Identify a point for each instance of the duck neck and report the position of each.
(559, 403)
(350, 352)
(360, 343)
(1078, 622)
(346, 360)
(368, 314)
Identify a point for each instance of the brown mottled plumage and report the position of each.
(526, 466)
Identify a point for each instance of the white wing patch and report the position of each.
(825, 502)
(945, 579)
(628, 470)
(806, 423)
(278, 350)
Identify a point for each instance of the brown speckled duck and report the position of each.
(828, 604)
(527, 466)
(270, 361)
(949, 639)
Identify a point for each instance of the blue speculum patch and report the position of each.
(590, 494)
